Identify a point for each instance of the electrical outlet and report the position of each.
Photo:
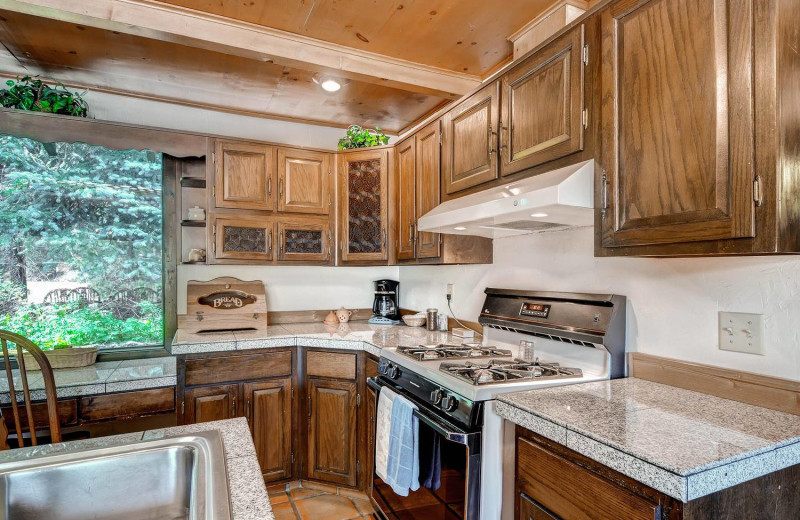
(741, 332)
(450, 288)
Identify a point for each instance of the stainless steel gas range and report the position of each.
(577, 338)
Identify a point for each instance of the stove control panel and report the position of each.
(388, 369)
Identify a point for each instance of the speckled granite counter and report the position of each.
(353, 336)
(100, 378)
(248, 493)
(682, 443)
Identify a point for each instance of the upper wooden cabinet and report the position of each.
(469, 140)
(304, 181)
(244, 175)
(678, 126)
(363, 205)
(428, 245)
(304, 240)
(239, 238)
(406, 215)
(542, 105)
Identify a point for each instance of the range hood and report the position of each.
(558, 199)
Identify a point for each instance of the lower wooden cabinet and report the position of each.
(332, 431)
(268, 408)
(210, 403)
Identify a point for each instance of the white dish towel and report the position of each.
(383, 426)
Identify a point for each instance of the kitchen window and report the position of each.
(81, 244)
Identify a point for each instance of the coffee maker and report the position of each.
(386, 307)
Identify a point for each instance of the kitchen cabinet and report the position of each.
(469, 140)
(304, 181)
(364, 205)
(241, 238)
(304, 239)
(268, 409)
(406, 158)
(210, 403)
(332, 431)
(428, 153)
(244, 175)
(543, 105)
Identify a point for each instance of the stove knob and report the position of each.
(449, 403)
(436, 396)
(393, 372)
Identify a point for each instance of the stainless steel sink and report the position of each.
(168, 479)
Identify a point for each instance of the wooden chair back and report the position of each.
(23, 344)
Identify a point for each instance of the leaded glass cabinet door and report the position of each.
(363, 210)
(242, 240)
(304, 240)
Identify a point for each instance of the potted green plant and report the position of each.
(33, 94)
(360, 137)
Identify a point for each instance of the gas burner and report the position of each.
(442, 351)
(505, 371)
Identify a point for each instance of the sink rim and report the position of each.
(212, 463)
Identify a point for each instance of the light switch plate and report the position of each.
(741, 332)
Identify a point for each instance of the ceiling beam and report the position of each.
(160, 21)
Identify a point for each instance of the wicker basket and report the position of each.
(64, 358)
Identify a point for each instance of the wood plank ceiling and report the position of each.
(463, 36)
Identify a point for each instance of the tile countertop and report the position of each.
(357, 335)
(248, 494)
(682, 443)
(100, 378)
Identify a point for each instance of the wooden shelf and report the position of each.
(193, 223)
(193, 182)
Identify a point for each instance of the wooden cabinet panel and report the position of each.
(570, 491)
(677, 121)
(406, 210)
(268, 408)
(67, 415)
(331, 364)
(244, 175)
(242, 238)
(221, 369)
(428, 185)
(469, 140)
(542, 105)
(210, 403)
(127, 404)
(304, 240)
(363, 211)
(530, 510)
(332, 431)
(304, 181)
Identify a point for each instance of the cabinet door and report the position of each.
(543, 106)
(242, 239)
(268, 408)
(428, 186)
(304, 180)
(406, 211)
(332, 431)
(209, 403)
(530, 510)
(244, 175)
(469, 140)
(363, 188)
(304, 240)
(677, 121)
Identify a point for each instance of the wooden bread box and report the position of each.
(224, 304)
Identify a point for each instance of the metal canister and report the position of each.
(432, 318)
(444, 322)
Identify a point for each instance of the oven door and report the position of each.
(458, 497)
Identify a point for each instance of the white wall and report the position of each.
(673, 303)
(292, 288)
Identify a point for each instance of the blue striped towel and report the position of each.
(402, 469)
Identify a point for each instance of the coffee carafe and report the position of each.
(386, 306)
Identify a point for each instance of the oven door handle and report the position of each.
(448, 431)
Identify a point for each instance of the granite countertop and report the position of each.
(248, 494)
(356, 335)
(100, 378)
(685, 444)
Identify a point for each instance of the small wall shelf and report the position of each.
(193, 182)
(193, 223)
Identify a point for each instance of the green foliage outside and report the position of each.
(79, 214)
(35, 95)
(360, 137)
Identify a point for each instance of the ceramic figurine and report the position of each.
(331, 319)
(343, 315)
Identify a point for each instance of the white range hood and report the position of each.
(558, 199)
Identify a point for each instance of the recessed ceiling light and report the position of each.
(538, 215)
(460, 228)
(328, 83)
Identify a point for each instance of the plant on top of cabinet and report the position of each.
(360, 137)
(33, 94)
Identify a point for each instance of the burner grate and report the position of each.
(505, 371)
(443, 351)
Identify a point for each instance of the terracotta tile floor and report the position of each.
(311, 501)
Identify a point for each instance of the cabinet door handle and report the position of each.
(410, 230)
(269, 241)
(247, 410)
(280, 242)
(269, 185)
(604, 187)
(280, 188)
(491, 145)
(309, 406)
(234, 407)
(503, 136)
